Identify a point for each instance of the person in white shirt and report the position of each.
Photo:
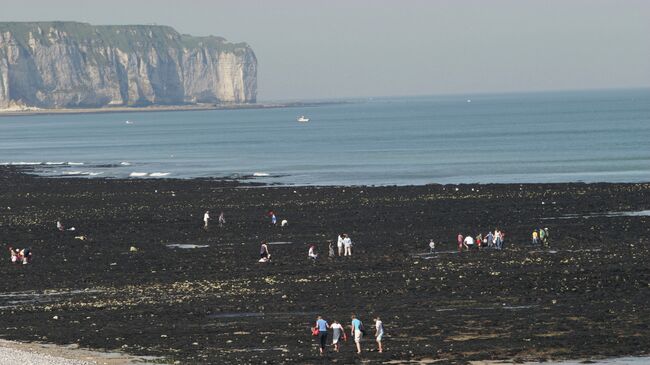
(432, 246)
(339, 244)
(379, 333)
(347, 244)
(206, 218)
(312, 252)
(338, 332)
(469, 242)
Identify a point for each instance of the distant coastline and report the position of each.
(161, 108)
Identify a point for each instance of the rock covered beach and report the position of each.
(584, 297)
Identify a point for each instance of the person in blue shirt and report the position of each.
(322, 332)
(357, 332)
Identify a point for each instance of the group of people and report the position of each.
(344, 244)
(490, 240)
(345, 249)
(540, 237)
(62, 228)
(274, 219)
(206, 219)
(19, 256)
(357, 331)
(494, 240)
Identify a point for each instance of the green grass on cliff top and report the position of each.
(125, 37)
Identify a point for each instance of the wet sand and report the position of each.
(585, 297)
(12, 353)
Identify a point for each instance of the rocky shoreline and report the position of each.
(584, 297)
(160, 108)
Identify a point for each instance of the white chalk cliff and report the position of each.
(69, 64)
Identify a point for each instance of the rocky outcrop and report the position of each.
(69, 64)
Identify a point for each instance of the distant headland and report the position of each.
(49, 66)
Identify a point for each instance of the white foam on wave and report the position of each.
(75, 163)
(138, 174)
(54, 163)
(82, 173)
(22, 163)
(158, 174)
(124, 163)
(261, 174)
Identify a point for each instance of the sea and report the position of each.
(577, 136)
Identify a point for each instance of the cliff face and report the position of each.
(68, 64)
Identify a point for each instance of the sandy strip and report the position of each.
(158, 108)
(630, 360)
(12, 353)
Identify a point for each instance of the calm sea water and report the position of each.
(537, 137)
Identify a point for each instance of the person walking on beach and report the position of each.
(468, 242)
(379, 333)
(322, 326)
(535, 237)
(490, 239)
(347, 244)
(222, 219)
(356, 332)
(337, 333)
(206, 219)
(502, 240)
(498, 241)
(460, 242)
(545, 239)
(339, 244)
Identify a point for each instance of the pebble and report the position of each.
(9, 356)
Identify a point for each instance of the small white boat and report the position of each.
(302, 119)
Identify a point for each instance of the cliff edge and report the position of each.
(70, 65)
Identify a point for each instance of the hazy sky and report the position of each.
(338, 48)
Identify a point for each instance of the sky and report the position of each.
(331, 49)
